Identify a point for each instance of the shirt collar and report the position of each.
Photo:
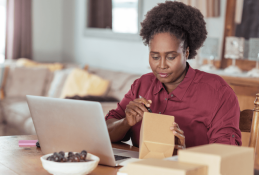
(158, 86)
(182, 87)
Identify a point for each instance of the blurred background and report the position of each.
(55, 48)
(84, 31)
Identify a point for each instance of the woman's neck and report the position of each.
(172, 86)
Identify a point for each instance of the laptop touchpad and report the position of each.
(132, 154)
(118, 151)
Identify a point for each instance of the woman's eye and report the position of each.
(155, 58)
(171, 58)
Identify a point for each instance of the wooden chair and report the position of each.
(249, 126)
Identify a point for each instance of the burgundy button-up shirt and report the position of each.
(203, 104)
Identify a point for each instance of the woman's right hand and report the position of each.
(135, 109)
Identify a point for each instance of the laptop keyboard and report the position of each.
(120, 157)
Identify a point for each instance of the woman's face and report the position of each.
(166, 58)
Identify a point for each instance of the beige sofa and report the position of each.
(15, 116)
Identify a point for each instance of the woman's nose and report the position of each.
(163, 63)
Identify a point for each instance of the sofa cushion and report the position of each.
(16, 112)
(119, 94)
(28, 127)
(24, 81)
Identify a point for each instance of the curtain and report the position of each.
(99, 14)
(18, 29)
(249, 24)
(209, 8)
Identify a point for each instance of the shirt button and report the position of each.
(165, 98)
(172, 95)
(233, 135)
(159, 112)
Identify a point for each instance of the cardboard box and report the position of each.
(221, 159)
(156, 138)
(162, 167)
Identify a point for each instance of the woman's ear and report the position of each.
(187, 53)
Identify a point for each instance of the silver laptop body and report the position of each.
(73, 125)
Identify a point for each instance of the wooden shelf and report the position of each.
(244, 65)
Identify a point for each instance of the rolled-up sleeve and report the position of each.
(119, 112)
(224, 125)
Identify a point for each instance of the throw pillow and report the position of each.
(82, 83)
(3, 77)
(24, 81)
(58, 82)
(29, 63)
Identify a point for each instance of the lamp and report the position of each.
(234, 50)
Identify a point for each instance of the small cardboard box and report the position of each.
(162, 167)
(156, 138)
(221, 159)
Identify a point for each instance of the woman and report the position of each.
(205, 108)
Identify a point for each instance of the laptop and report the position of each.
(74, 125)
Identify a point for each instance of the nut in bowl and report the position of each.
(71, 166)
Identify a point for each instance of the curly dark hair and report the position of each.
(183, 21)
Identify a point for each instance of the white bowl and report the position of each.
(70, 168)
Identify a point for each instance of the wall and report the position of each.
(68, 30)
(215, 26)
(63, 37)
(129, 56)
(47, 30)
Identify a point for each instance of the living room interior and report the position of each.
(59, 36)
(57, 49)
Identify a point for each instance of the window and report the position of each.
(115, 19)
(125, 16)
(2, 29)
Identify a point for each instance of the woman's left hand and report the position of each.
(179, 134)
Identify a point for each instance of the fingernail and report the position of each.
(150, 101)
(171, 128)
(174, 132)
(148, 105)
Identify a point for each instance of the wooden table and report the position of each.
(26, 161)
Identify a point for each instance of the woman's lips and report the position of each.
(163, 75)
